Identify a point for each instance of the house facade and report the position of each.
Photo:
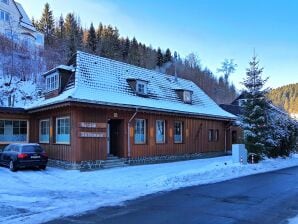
(16, 25)
(94, 107)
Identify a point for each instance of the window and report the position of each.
(213, 135)
(141, 87)
(4, 16)
(187, 96)
(13, 131)
(140, 131)
(52, 82)
(160, 131)
(178, 132)
(44, 131)
(63, 130)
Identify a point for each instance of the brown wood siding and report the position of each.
(55, 151)
(195, 133)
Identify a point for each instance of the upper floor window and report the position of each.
(63, 130)
(141, 87)
(5, 1)
(52, 82)
(140, 131)
(178, 131)
(4, 16)
(44, 131)
(160, 131)
(187, 96)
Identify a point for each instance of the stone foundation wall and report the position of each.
(83, 165)
(171, 158)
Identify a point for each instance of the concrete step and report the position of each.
(114, 165)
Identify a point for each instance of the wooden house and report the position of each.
(94, 107)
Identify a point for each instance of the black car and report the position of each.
(17, 156)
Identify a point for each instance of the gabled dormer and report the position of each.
(140, 87)
(185, 95)
(56, 80)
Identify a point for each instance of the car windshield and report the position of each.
(32, 148)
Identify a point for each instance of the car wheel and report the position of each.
(12, 167)
(43, 167)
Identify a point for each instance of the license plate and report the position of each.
(35, 157)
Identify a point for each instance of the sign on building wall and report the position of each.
(94, 133)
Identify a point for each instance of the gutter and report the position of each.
(128, 133)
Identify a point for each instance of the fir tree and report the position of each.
(168, 56)
(159, 58)
(91, 39)
(47, 24)
(254, 118)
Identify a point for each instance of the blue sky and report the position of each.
(213, 29)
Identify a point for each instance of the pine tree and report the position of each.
(91, 39)
(71, 32)
(47, 24)
(60, 30)
(254, 119)
(168, 56)
(159, 58)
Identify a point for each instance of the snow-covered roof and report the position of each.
(25, 21)
(63, 67)
(103, 81)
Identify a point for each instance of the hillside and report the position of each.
(286, 97)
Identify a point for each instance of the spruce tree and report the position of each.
(46, 24)
(159, 58)
(168, 56)
(254, 119)
(91, 39)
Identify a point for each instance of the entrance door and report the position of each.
(116, 137)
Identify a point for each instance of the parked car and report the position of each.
(17, 156)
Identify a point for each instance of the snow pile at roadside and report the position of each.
(38, 196)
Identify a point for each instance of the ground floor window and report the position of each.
(160, 131)
(178, 129)
(63, 130)
(213, 135)
(140, 131)
(44, 131)
(13, 131)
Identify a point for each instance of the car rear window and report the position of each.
(32, 148)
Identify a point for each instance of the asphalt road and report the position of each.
(263, 198)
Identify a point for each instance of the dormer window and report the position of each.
(184, 95)
(141, 87)
(187, 96)
(52, 82)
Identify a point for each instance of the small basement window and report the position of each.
(141, 87)
(52, 82)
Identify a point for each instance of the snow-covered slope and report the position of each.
(20, 92)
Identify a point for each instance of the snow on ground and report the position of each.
(293, 220)
(38, 196)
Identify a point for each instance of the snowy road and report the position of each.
(265, 198)
(39, 196)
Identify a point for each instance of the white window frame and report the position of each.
(12, 129)
(143, 89)
(48, 130)
(136, 140)
(157, 131)
(187, 96)
(181, 131)
(4, 16)
(56, 134)
(52, 82)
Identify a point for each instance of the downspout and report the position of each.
(128, 133)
